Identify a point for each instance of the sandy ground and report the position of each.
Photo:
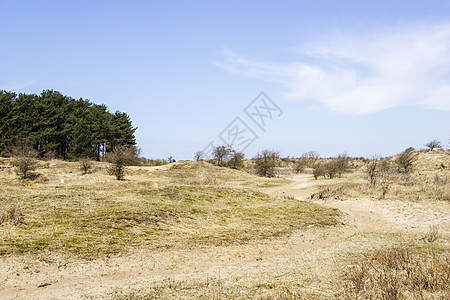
(310, 255)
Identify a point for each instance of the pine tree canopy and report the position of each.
(62, 126)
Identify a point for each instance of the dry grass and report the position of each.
(398, 272)
(329, 191)
(10, 213)
(432, 235)
(203, 178)
(409, 187)
(212, 288)
(94, 215)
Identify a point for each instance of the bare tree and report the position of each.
(222, 153)
(198, 155)
(312, 157)
(301, 164)
(372, 170)
(170, 159)
(266, 162)
(120, 157)
(318, 170)
(331, 168)
(434, 144)
(406, 159)
(386, 173)
(341, 164)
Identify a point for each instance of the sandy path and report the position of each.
(298, 256)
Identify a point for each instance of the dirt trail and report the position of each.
(295, 257)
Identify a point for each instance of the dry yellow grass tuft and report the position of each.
(399, 272)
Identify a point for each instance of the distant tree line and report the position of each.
(60, 126)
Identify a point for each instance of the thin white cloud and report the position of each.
(14, 86)
(410, 66)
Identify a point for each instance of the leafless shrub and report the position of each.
(301, 164)
(198, 156)
(120, 157)
(312, 157)
(434, 144)
(332, 167)
(438, 187)
(432, 235)
(222, 153)
(85, 165)
(24, 166)
(341, 163)
(24, 158)
(386, 174)
(319, 170)
(49, 155)
(236, 161)
(10, 212)
(406, 159)
(441, 188)
(266, 162)
(372, 169)
(307, 159)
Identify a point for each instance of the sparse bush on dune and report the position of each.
(222, 153)
(10, 212)
(24, 166)
(319, 170)
(120, 157)
(372, 169)
(266, 162)
(85, 165)
(236, 161)
(332, 167)
(198, 155)
(434, 144)
(386, 176)
(301, 165)
(24, 158)
(406, 159)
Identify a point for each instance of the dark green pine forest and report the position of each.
(59, 125)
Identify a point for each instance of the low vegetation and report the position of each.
(92, 215)
(399, 272)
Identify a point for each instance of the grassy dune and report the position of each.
(95, 215)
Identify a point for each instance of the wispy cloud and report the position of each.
(408, 66)
(14, 86)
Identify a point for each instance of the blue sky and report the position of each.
(366, 77)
